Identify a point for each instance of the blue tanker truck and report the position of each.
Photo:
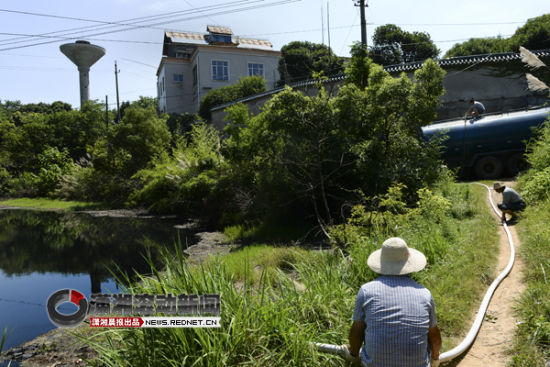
(490, 146)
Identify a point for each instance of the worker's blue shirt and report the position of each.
(398, 313)
(479, 107)
(510, 196)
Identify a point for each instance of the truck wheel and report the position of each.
(516, 163)
(488, 167)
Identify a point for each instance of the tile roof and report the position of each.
(256, 43)
(186, 37)
(201, 39)
(465, 60)
(219, 29)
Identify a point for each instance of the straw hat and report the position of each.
(497, 186)
(396, 258)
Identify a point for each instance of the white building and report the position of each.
(195, 63)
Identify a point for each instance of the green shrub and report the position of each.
(5, 181)
(245, 87)
(535, 182)
(189, 180)
(532, 344)
(536, 186)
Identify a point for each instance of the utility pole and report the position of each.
(328, 24)
(107, 111)
(117, 100)
(362, 5)
(322, 25)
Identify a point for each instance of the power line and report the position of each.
(61, 38)
(379, 24)
(139, 62)
(111, 24)
(246, 8)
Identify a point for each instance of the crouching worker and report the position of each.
(511, 202)
(476, 110)
(394, 315)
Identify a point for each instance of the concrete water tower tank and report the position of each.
(84, 55)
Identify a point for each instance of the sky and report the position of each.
(33, 70)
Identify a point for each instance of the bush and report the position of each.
(535, 183)
(189, 180)
(5, 182)
(245, 87)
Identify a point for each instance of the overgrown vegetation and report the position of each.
(276, 300)
(532, 345)
(308, 158)
(533, 35)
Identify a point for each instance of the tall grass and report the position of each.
(298, 296)
(532, 344)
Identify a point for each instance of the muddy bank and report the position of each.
(57, 348)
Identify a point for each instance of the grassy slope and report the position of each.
(532, 345)
(276, 300)
(49, 204)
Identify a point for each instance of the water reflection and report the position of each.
(40, 250)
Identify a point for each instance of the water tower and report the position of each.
(84, 55)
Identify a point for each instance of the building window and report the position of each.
(255, 69)
(178, 78)
(220, 70)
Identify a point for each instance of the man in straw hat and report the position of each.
(394, 315)
(511, 201)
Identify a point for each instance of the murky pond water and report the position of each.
(42, 252)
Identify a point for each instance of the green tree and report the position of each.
(245, 87)
(12, 106)
(143, 102)
(25, 135)
(392, 45)
(301, 60)
(534, 35)
(131, 145)
(357, 71)
(479, 46)
(317, 154)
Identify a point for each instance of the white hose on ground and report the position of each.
(470, 337)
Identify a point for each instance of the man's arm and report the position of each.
(434, 337)
(356, 337)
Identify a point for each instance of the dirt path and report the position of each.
(498, 328)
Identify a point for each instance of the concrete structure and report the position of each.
(497, 80)
(83, 55)
(195, 63)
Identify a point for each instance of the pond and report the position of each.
(42, 252)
